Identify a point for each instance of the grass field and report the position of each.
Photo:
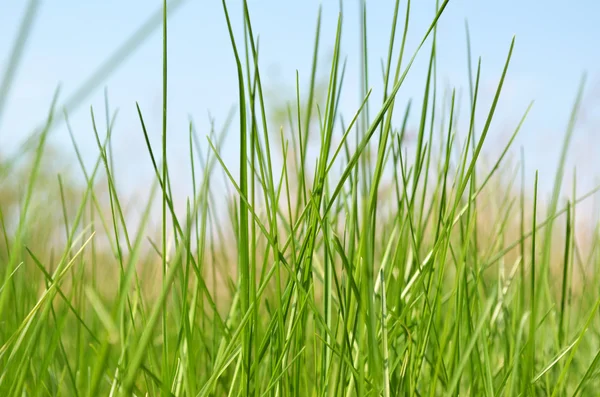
(377, 265)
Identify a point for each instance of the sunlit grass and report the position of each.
(365, 270)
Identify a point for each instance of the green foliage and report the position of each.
(359, 272)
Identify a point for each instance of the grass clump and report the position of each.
(365, 270)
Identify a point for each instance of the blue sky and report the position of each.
(555, 44)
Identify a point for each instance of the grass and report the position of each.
(362, 272)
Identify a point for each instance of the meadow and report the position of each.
(349, 257)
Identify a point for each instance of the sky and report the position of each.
(554, 46)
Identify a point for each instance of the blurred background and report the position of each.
(71, 44)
